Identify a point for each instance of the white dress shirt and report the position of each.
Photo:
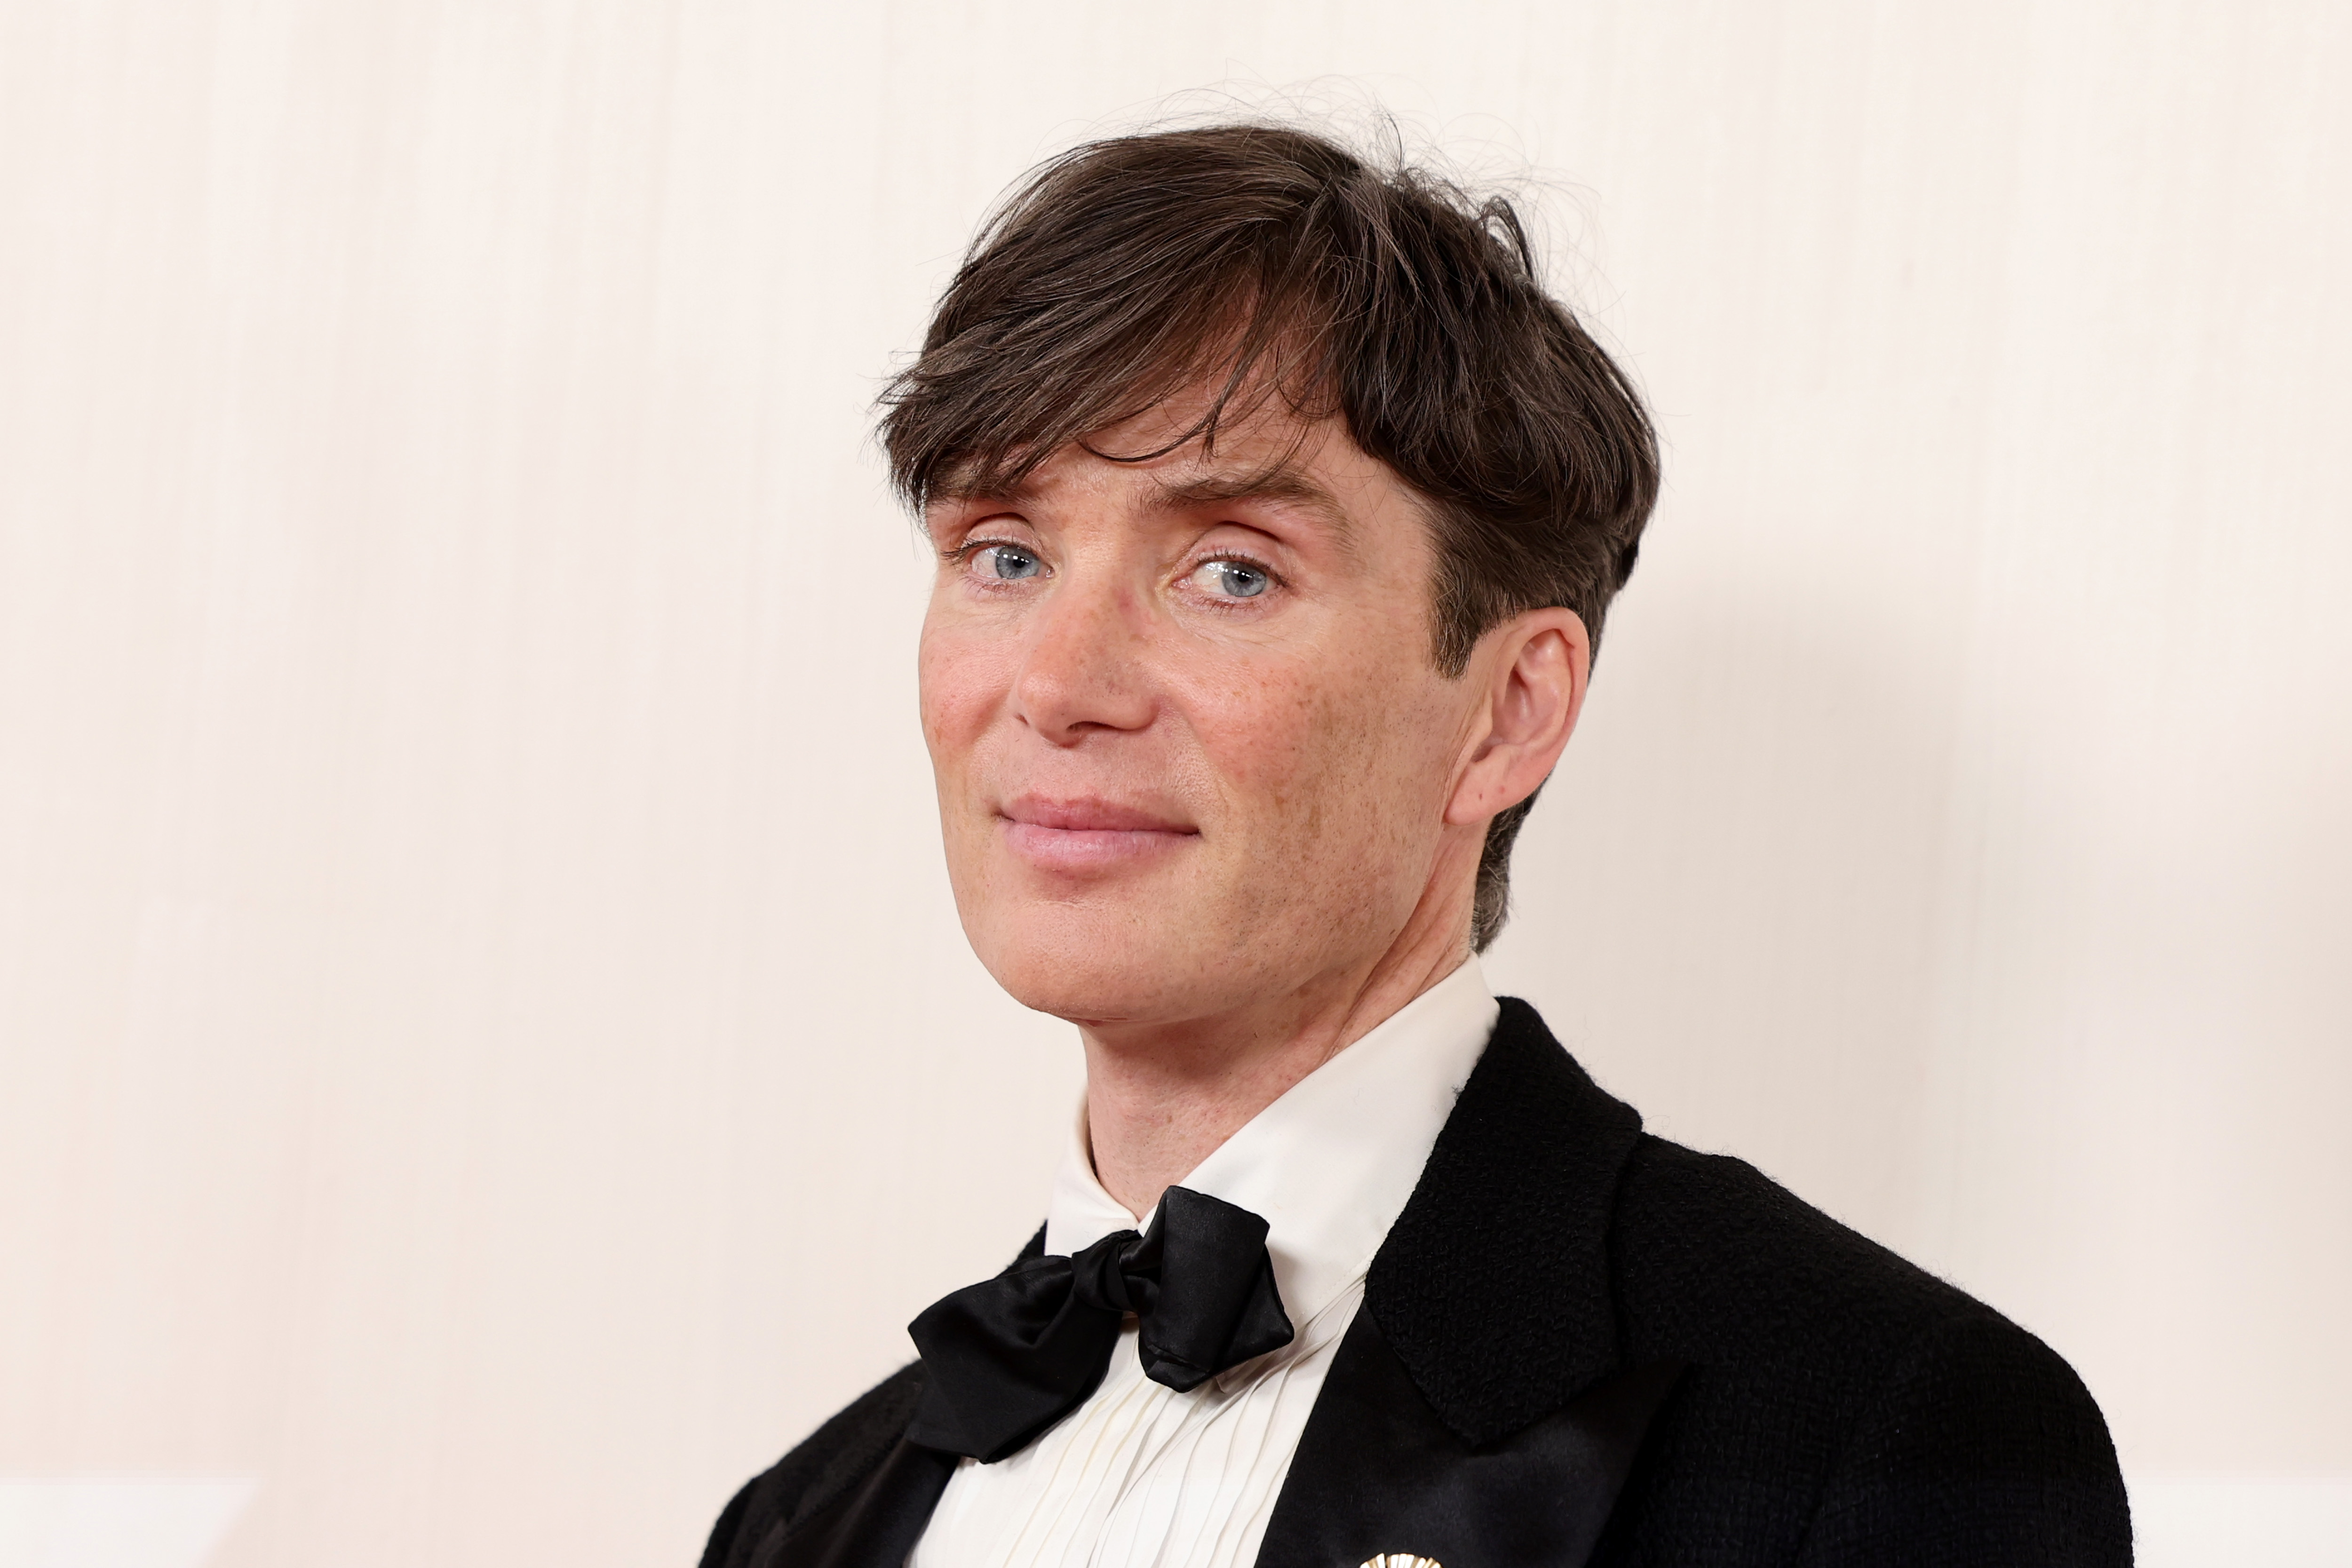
(1143, 1477)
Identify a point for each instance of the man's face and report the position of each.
(1192, 751)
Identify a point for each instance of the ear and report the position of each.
(1535, 669)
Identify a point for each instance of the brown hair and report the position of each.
(1268, 260)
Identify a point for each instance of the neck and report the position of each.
(1161, 1098)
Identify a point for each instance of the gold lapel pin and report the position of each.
(1401, 1560)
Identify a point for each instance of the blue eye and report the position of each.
(1233, 579)
(1010, 561)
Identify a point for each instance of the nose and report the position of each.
(1083, 669)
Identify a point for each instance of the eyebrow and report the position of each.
(1282, 486)
(956, 488)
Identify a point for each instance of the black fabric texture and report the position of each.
(1008, 1357)
(830, 1464)
(1378, 1472)
(1837, 1408)
(875, 1524)
(1494, 1284)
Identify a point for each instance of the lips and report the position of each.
(1088, 834)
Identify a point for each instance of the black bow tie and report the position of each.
(1007, 1358)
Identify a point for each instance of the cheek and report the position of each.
(953, 685)
(1345, 758)
(957, 687)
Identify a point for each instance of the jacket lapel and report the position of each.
(1478, 1412)
(874, 1524)
(1378, 1471)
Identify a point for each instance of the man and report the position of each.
(1277, 510)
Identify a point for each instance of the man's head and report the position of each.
(1277, 506)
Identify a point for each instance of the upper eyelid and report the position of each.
(973, 543)
(976, 531)
(976, 541)
(1255, 564)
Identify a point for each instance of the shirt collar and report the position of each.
(1331, 1163)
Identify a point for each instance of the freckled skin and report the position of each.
(1323, 789)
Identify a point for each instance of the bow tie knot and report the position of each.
(1007, 1358)
(1120, 1274)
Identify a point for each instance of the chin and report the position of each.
(1103, 966)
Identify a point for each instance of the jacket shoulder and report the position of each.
(1840, 1406)
(1715, 1261)
(828, 1463)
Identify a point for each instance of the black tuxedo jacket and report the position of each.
(1582, 1344)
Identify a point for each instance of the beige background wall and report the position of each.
(485, 1053)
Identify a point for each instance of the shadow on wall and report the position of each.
(1727, 901)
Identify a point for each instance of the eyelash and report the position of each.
(962, 554)
(1272, 578)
